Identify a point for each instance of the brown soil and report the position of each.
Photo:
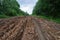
(28, 28)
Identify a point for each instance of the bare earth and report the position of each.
(28, 28)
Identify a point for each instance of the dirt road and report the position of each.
(28, 28)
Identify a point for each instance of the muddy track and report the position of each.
(28, 28)
(49, 29)
(38, 30)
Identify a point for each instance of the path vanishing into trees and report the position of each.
(28, 28)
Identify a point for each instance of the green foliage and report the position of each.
(10, 8)
(47, 8)
(3, 16)
(57, 20)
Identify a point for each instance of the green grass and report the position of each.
(57, 20)
(4, 16)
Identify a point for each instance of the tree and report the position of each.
(10, 8)
(47, 8)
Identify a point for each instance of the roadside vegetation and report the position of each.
(48, 9)
(9, 8)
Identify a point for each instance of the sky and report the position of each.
(27, 5)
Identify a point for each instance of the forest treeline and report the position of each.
(48, 8)
(9, 8)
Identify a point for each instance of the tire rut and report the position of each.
(38, 30)
(28, 28)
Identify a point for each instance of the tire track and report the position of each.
(48, 29)
(38, 30)
(28, 28)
